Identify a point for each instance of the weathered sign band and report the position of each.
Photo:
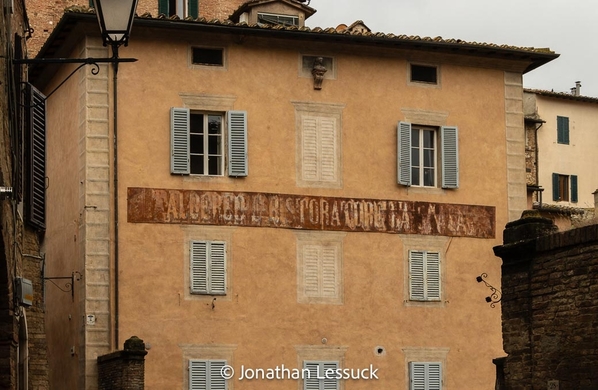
(151, 205)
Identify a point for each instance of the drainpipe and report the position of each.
(115, 127)
(539, 193)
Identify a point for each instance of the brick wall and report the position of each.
(123, 370)
(549, 306)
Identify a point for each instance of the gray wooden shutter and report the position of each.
(416, 276)
(36, 207)
(329, 271)
(179, 126)
(199, 267)
(327, 145)
(237, 143)
(309, 149)
(450, 157)
(432, 276)
(417, 376)
(404, 153)
(311, 381)
(574, 188)
(329, 382)
(217, 267)
(217, 382)
(311, 271)
(555, 187)
(198, 374)
(434, 376)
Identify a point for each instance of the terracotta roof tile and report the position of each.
(562, 95)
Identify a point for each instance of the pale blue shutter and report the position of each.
(179, 127)
(404, 153)
(217, 382)
(311, 381)
(416, 276)
(199, 267)
(329, 382)
(432, 276)
(555, 187)
(329, 271)
(217, 268)
(573, 188)
(425, 376)
(198, 374)
(450, 157)
(434, 376)
(237, 143)
(317, 378)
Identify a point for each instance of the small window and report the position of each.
(424, 74)
(287, 20)
(208, 267)
(425, 376)
(564, 188)
(207, 56)
(207, 374)
(321, 375)
(180, 8)
(562, 130)
(424, 276)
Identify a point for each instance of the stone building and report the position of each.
(258, 193)
(23, 357)
(549, 306)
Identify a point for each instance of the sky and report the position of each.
(567, 27)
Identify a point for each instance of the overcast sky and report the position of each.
(567, 27)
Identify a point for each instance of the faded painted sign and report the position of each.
(193, 207)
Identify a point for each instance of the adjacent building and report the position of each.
(260, 194)
(23, 358)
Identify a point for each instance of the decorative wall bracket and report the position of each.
(69, 284)
(495, 295)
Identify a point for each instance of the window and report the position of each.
(564, 188)
(418, 155)
(287, 20)
(424, 276)
(197, 143)
(562, 130)
(318, 144)
(424, 74)
(425, 376)
(207, 56)
(206, 375)
(318, 379)
(181, 8)
(319, 262)
(208, 267)
(36, 158)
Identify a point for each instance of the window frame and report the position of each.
(206, 143)
(431, 276)
(260, 16)
(323, 383)
(562, 130)
(211, 374)
(195, 272)
(421, 147)
(427, 375)
(565, 188)
(200, 65)
(416, 81)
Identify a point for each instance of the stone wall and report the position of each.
(123, 370)
(549, 306)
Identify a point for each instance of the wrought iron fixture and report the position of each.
(68, 286)
(495, 295)
(115, 18)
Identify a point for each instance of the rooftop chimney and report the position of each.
(576, 91)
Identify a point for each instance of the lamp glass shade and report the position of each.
(116, 19)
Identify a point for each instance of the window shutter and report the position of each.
(434, 376)
(37, 159)
(179, 125)
(163, 7)
(193, 8)
(217, 382)
(555, 187)
(329, 272)
(566, 130)
(329, 383)
(309, 157)
(416, 276)
(311, 381)
(199, 267)
(327, 132)
(573, 188)
(91, 4)
(237, 143)
(311, 271)
(417, 376)
(404, 153)
(432, 276)
(217, 268)
(450, 157)
(198, 374)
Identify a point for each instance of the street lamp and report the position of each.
(116, 20)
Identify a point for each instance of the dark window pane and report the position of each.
(196, 123)
(214, 145)
(205, 56)
(214, 124)
(415, 176)
(214, 165)
(423, 73)
(196, 143)
(429, 177)
(197, 164)
(428, 138)
(429, 158)
(415, 157)
(415, 138)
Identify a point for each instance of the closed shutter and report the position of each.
(329, 382)
(327, 141)
(198, 374)
(37, 159)
(425, 376)
(179, 125)
(163, 7)
(555, 187)
(317, 378)
(199, 267)
(432, 276)
(237, 143)
(328, 259)
(217, 382)
(309, 149)
(310, 380)
(562, 129)
(311, 271)
(566, 129)
(404, 153)
(573, 188)
(217, 268)
(416, 276)
(450, 157)
(193, 8)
